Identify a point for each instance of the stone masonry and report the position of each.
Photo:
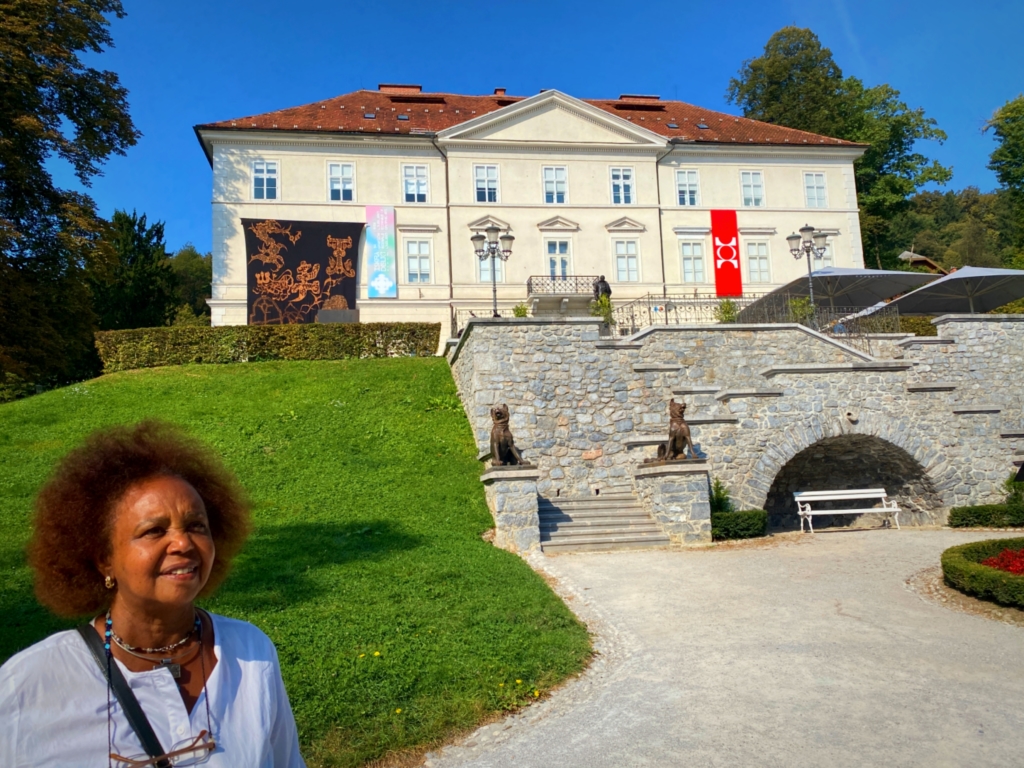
(588, 409)
(512, 498)
(676, 495)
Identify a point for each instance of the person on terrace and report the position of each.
(132, 528)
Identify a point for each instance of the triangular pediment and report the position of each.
(558, 224)
(625, 224)
(488, 221)
(552, 117)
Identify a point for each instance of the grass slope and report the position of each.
(395, 623)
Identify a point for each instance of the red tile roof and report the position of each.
(428, 113)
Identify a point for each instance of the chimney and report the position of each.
(399, 89)
(499, 91)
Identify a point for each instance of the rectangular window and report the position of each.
(757, 263)
(825, 260)
(485, 270)
(753, 189)
(688, 187)
(814, 187)
(626, 261)
(264, 180)
(417, 254)
(554, 184)
(558, 258)
(693, 262)
(486, 177)
(622, 186)
(341, 181)
(414, 180)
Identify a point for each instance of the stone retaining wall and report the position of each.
(587, 410)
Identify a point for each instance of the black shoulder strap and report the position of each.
(129, 704)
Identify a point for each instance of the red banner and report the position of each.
(726, 253)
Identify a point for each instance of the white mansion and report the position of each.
(624, 188)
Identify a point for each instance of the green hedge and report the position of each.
(962, 569)
(178, 345)
(987, 516)
(922, 326)
(748, 524)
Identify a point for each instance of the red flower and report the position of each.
(1009, 560)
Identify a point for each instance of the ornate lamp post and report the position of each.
(809, 242)
(488, 247)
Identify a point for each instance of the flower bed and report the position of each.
(971, 568)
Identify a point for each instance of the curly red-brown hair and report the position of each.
(75, 509)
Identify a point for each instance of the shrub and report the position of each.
(603, 308)
(962, 569)
(719, 497)
(801, 311)
(520, 310)
(178, 345)
(748, 524)
(986, 516)
(727, 311)
(922, 326)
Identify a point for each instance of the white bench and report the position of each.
(804, 499)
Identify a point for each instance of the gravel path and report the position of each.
(800, 651)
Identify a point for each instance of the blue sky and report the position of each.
(189, 62)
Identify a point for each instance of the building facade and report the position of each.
(623, 188)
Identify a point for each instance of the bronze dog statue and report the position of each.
(503, 447)
(678, 435)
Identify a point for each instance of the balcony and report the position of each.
(568, 296)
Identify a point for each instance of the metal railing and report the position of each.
(655, 309)
(462, 316)
(851, 325)
(584, 284)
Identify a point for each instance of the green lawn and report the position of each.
(368, 517)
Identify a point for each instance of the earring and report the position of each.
(108, 582)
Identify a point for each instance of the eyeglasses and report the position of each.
(189, 752)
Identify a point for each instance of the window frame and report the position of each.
(632, 183)
(499, 269)
(824, 190)
(683, 257)
(277, 181)
(764, 194)
(767, 257)
(830, 253)
(341, 163)
(543, 185)
(497, 183)
(615, 258)
(696, 173)
(548, 255)
(401, 179)
(430, 259)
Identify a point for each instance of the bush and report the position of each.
(922, 326)
(178, 345)
(719, 497)
(962, 569)
(727, 311)
(986, 516)
(603, 308)
(748, 524)
(520, 310)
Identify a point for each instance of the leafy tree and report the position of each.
(1007, 161)
(194, 272)
(138, 287)
(796, 83)
(52, 106)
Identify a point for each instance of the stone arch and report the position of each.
(921, 447)
(854, 461)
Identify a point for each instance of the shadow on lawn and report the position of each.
(282, 566)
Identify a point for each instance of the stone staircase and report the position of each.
(613, 520)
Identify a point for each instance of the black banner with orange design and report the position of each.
(297, 268)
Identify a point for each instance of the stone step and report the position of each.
(588, 502)
(604, 543)
(558, 515)
(563, 533)
(598, 522)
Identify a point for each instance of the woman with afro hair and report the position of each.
(132, 527)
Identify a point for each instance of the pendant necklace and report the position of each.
(169, 662)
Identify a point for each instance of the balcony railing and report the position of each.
(572, 284)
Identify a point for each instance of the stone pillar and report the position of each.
(512, 498)
(675, 493)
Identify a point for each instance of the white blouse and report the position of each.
(53, 705)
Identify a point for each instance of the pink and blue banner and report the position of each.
(382, 264)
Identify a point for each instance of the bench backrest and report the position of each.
(856, 493)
